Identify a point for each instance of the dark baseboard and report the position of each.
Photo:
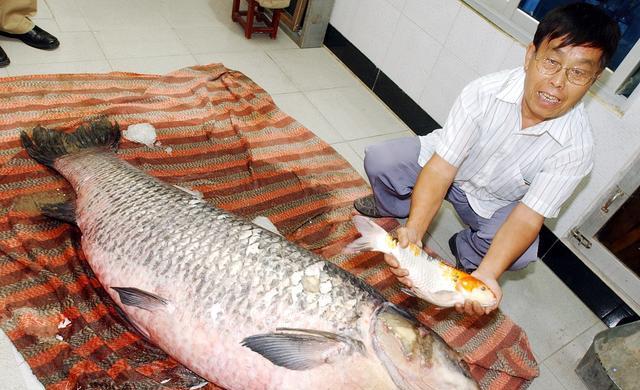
(587, 286)
(394, 97)
(590, 289)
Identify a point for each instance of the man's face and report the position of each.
(550, 96)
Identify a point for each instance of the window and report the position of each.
(619, 82)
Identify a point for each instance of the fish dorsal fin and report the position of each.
(64, 211)
(132, 296)
(302, 349)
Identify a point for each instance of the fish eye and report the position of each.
(483, 288)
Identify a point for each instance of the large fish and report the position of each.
(235, 303)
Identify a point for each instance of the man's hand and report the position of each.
(472, 307)
(405, 236)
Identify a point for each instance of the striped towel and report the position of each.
(221, 134)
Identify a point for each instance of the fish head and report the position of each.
(474, 289)
(414, 357)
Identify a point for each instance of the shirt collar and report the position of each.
(513, 89)
(558, 128)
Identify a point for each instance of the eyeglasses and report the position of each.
(574, 75)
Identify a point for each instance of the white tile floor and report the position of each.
(157, 36)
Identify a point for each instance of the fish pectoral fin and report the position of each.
(409, 292)
(445, 295)
(132, 296)
(302, 349)
(64, 211)
(130, 322)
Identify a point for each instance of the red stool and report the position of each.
(254, 13)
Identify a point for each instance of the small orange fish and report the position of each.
(433, 281)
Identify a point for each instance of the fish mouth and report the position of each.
(414, 357)
(394, 337)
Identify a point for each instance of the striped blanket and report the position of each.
(221, 134)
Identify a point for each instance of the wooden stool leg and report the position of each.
(235, 9)
(248, 28)
(275, 22)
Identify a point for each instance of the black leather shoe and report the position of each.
(454, 251)
(367, 206)
(4, 59)
(37, 38)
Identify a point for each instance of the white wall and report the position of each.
(433, 48)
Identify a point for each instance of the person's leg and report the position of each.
(15, 23)
(472, 244)
(392, 167)
(15, 14)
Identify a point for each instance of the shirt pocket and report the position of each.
(510, 184)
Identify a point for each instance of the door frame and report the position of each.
(596, 256)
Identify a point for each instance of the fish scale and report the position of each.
(237, 304)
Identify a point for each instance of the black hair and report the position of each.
(580, 24)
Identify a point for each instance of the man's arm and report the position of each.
(434, 180)
(515, 235)
(430, 189)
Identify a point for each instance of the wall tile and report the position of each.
(447, 79)
(342, 16)
(373, 27)
(477, 43)
(418, 51)
(611, 141)
(514, 57)
(433, 16)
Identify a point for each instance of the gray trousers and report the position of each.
(392, 167)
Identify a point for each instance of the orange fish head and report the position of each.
(475, 289)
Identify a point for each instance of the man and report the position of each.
(514, 147)
(15, 23)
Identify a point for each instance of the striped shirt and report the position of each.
(499, 162)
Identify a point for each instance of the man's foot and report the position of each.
(367, 206)
(4, 59)
(454, 251)
(37, 38)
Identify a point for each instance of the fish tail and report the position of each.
(373, 237)
(47, 145)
